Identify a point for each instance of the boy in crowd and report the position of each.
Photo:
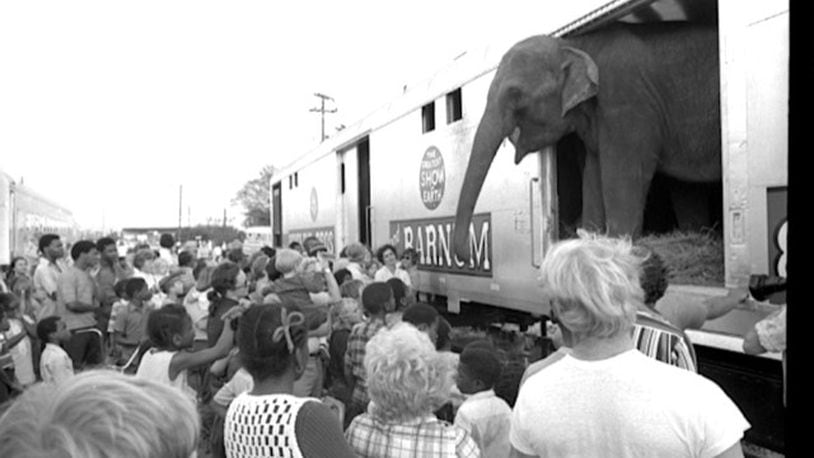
(55, 364)
(376, 298)
(484, 415)
(78, 303)
(174, 288)
(423, 317)
(131, 323)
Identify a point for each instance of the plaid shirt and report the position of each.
(423, 437)
(355, 357)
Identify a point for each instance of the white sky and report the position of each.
(107, 107)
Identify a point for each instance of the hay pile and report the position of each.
(693, 258)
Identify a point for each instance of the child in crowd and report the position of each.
(171, 334)
(344, 315)
(55, 364)
(129, 329)
(121, 304)
(270, 420)
(172, 286)
(377, 299)
(484, 415)
(16, 323)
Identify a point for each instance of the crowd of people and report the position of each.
(294, 352)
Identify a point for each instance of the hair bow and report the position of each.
(287, 320)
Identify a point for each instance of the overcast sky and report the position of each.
(108, 107)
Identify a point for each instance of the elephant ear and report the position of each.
(581, 78)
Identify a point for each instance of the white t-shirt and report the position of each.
(385, 274)
(627, 405)
(486, 418)
(55, 364)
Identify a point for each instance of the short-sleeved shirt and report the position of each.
(771, 331)
(625, 405)
(131, 323)
(106, 278)
(241, 382)
(76, 285)
(657, 338)
(426, 437)
(487, 418)
(384, 274)
(55, 364)
(46, 283)
(355, 357)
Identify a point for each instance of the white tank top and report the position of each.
(155, 366)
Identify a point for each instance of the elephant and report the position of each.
(656, 109)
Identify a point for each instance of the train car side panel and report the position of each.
(414, 192)
(309, 202)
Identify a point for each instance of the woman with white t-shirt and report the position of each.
(386, 254)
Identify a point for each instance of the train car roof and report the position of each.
(472, 64)
(25, 190)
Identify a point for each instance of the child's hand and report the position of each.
(231, 314)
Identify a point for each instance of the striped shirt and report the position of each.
(657, 338)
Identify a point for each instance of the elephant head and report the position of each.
(538, 83)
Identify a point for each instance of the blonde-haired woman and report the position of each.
(407, 381)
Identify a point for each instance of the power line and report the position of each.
(322, 111)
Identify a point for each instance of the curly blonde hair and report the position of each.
(593, 284)
(100, 413)
(407, 378)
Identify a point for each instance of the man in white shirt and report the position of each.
(46, 276)
(605, 398)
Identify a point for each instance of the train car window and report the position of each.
(296, 179)
(454, 106)
(290, 182)
(428, 117)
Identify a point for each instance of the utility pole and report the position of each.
(180, 211)
(322, 111)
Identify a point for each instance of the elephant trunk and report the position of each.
(491, 131)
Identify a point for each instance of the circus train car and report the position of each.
(394, 177)
(25, 215)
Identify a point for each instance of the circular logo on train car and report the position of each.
(314, 204)
(432, 177)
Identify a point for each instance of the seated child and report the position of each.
(131, 323)
(171, 334)
(484, 415)
(55, 364)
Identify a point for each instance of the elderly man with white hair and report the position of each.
(605, 398)
(407, 380)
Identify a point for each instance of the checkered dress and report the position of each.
(425, 437)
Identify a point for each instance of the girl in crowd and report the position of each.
(20, 283)
(171, 334)
(386, 254)
(20, 329)
(229, 286)
(272, 341)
